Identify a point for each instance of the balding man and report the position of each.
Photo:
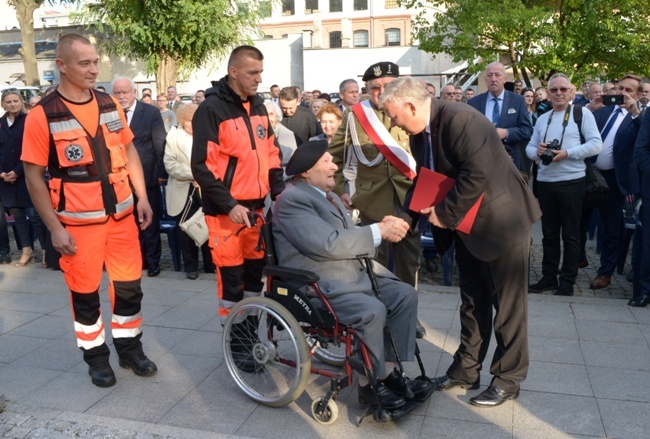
(506, 110)
(447, 92)
(90, 187)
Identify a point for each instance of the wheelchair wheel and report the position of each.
(330, 413)
(266, 352)
(332, 355)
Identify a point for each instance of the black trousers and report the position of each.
(561, 205)
(502, 285)
(150, 244)
(189, 250)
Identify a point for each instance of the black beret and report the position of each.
(381, 70)
(306, 156)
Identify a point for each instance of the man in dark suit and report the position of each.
(149, 130)
(506, 110)
(458, 142)
(642, 156)
(616, 163)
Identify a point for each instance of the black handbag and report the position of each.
(596, 188)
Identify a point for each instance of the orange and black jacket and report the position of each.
(89, 176)
(235, 156)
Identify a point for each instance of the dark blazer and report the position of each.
(514, 117)
(642, 154)
(149, 131)
(467, 148)
(625, 167)
(11, 147)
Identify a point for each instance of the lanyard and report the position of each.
(565, 122)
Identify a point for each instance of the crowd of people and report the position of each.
(339, 178)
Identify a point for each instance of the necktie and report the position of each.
(610, 123)
(643, 107)
(608, 128)
(496, 112)
(428, 152)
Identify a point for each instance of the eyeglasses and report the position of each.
(555, 90)
(8, 90)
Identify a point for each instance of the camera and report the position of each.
(613, 99)
(547, 156)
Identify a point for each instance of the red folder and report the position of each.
(431, 189)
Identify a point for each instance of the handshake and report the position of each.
(393, 229)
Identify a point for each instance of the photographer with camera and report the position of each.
(557, 146)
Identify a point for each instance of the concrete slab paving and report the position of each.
(588, 375)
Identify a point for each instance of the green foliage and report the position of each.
(191, 32)
(581, 38)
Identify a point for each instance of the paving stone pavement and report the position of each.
(589, 369)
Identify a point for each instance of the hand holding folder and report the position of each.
(431, 189)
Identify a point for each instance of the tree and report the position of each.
(581, 38)
(169, 35)
(25, 15)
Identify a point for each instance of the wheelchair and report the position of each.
(269, 342)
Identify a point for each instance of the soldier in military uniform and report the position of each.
(384, 170)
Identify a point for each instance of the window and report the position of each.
(360, 38)
(311, 6)
(393, 37)
(336, 5)
(335, 39)
(288, 7)
(360, 5)
(391, 4)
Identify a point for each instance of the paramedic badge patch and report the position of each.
(114, 125)
(74, 152)
(261, 132)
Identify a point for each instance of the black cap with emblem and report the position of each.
(306, 156)
(381, 70)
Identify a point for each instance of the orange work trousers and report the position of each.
(239, 264)
(114, 245)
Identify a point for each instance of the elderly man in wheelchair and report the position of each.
(313, 231)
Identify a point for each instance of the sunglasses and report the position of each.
(555, 90)
(9, 90)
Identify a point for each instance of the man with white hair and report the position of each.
(149, 139)
(493, 256)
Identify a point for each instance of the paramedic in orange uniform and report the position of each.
(82, 137)
(237, 162)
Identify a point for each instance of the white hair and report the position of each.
(403, 90)
(272, 106)
(120, 78)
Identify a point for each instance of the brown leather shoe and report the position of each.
(600, 282)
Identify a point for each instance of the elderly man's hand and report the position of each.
(393, 229)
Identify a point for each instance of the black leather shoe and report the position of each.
(545, 284)
(244, 337)
(141, 365)
(446, 382)
(492, 397)
(193, 275)
(420, 331)
(564, 290)
(404, 386)
(389, 400)
(153, 271)
(641, 302)
(102, 375)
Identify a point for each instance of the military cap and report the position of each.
(381, 70)
(306, 156)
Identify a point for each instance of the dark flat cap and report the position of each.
(306, 156)
(381, 70)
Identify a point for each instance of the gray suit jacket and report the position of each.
(311, 234)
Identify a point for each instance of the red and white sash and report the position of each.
(381, 138)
